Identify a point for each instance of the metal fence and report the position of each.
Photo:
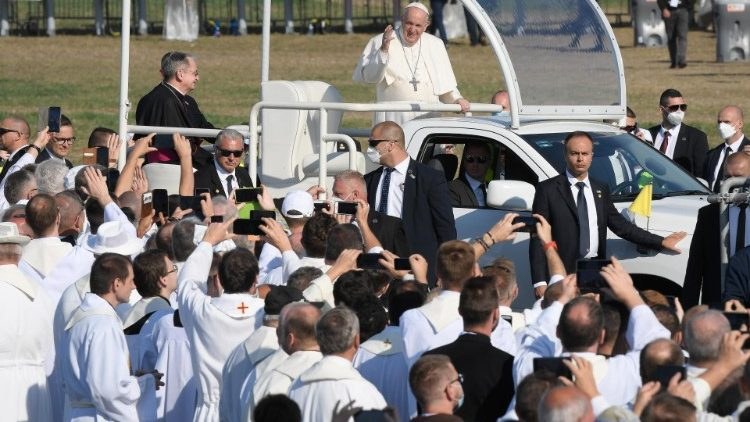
(71, 16)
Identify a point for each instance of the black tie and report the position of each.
(230, 178)
(583, 222)
(383, 206)
(740, 235)
(720, 176)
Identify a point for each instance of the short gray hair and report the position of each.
(572, 409)
(172, 62)
(17, 184)
(229, 134)
(703, 334)
(336, 330)
(50, 177)
(182, 238)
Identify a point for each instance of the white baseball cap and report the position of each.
(298, 204)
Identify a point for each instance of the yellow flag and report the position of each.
(642, 203)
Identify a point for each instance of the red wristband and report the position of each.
(550, 244)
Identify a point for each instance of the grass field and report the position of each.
(81, 74)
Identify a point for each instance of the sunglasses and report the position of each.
(471, 159)
(227, 153)
(374, 142)
(676, 107)
(629, 128)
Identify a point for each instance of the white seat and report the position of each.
(163, 176)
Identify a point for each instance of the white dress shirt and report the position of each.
(223, 177)
(432, 325)
(673, 133)
(395, 190)
(734, 146)
(591, 207)
(476, 188)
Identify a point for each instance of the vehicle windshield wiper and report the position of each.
(681, 193)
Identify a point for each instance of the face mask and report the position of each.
(726, 130)
(373, 155)
(461, 401)
(675, 117)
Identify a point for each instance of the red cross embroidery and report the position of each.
(242, 307)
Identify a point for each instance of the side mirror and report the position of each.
(512, 195)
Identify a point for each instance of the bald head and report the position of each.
(296, 330)
(391, 145)
(565, 404)
(501, 98)
(389, 130)
(71, 212)
(581, 325)
(738, 165)
(18, 135)
(731, 115)
(659, 352)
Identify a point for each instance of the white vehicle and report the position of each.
(563, 72)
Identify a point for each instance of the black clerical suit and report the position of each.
(166, 106)
(554, 201)
(690, 150)
(488, 376)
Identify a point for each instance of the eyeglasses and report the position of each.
(629, 128)
(374, 142)
(459, 379)
(174, 270)
(3, 131)
(479, 159)
(227, 152)
(676, 107)
(63, 141)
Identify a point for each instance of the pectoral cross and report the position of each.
(242, 307)
(414, 82)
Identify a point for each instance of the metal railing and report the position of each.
(29, 16)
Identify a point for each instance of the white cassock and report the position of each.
(381, 361)
(426, 62)
(181, 20)
(133, 326)
(321, 290)
(279, 379)
(41, 255)
(98, 384)
(247, 392)
(240, 368)
(432, 325)
(215, 326)
(330, 382)
(165, 348)
(25, 345)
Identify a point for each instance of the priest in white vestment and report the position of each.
(297, 339)
(241, 370)
(46, 249)
(333, 382)
(215, 326)
(409, 66)
(96, 373)
(26, 317)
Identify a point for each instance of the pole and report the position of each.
(266, 42)
(124, 75)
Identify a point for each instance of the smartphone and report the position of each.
(370, 261)
(89, 156)
(664, 373)
(146, 204)
(320, 206)
(402, 264)
(346, 207)
(260, 214)
(553, 365)
(102, 156)
(113, 175)
(217, 218)
(737, 320)
(161, 202)
(53, 119)
(587, 274)
(247, 226)
(244, 195)
(529, 224)
(671, 301)
(163, 141)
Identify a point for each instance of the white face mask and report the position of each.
(373, 155)
(675, 117)
(726, 130)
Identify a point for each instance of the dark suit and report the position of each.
(166, 106)
(703, 272)
(45, 155)
(554, 201)
(440, 417)
(426, 215)
(8, 164)
(690, 150)
(390, 232)
(712, 161)
(461, 193)
(488, 376)
(208, 178)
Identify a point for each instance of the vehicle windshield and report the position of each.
(625, 164)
